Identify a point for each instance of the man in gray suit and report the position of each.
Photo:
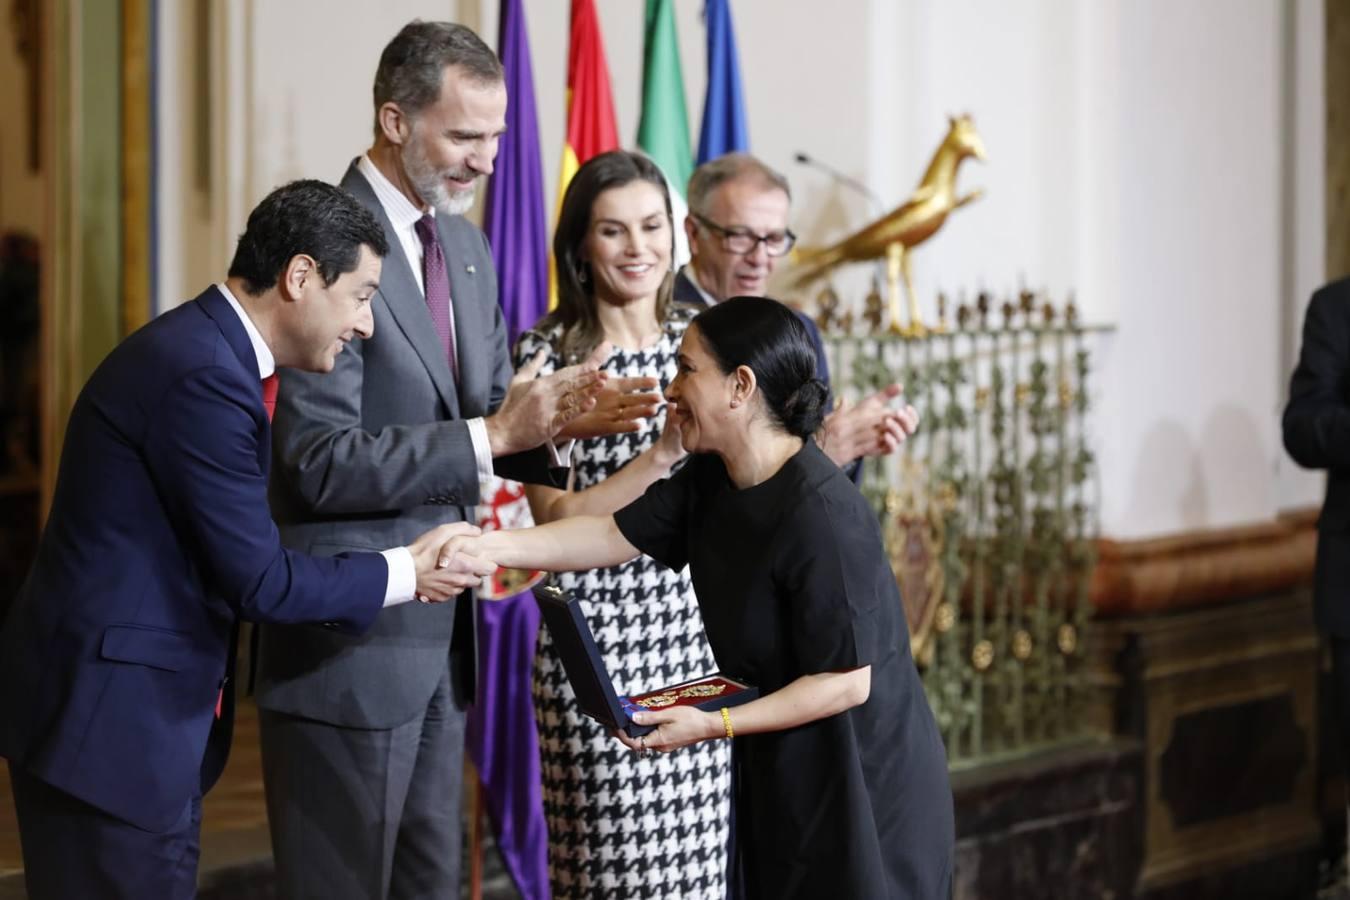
(362, 738)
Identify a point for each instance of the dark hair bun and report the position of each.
(804, 410)
(776, 344)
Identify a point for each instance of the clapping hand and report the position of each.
(870, 427)
(618, 408)
(444, 567)
(538, 407)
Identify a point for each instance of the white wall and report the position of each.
(1013, 67)
(292, 99)
(1161, 160)
(1304, 248)
(1189, 439)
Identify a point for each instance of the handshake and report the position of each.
(444, 567)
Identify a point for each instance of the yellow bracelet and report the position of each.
(726, 723)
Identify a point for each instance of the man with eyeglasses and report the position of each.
(738, 230)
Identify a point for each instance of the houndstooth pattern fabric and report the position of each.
(620, 826)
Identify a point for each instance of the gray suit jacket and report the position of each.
(370, 456)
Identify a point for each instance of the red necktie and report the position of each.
(269, 389)
(269, 392)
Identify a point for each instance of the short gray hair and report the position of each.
(730, 167)
(413, 64)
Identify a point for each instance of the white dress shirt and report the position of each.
(401, 584)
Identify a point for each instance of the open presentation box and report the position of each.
(590, 680)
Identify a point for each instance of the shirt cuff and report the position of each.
(482, 449)
(402, 583)
(560, 457)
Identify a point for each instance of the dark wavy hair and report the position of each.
(412, 65)
(771, 340)
(310, 217)
(576, 309)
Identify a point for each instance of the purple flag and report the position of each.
(514, 218)
(501, 737)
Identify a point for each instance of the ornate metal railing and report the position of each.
(989, 513)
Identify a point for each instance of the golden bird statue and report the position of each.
(906, 226)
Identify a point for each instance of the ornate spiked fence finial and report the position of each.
(827, 304)
(874, 308)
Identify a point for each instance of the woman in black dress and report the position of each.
(614, 245)
(841, 783)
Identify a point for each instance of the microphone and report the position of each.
(840, 178)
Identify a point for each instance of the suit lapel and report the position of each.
(214, 304)
(686, 293)
(406, 301)
(218, 309)
(465, 286)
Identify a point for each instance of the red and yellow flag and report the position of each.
(591, 127)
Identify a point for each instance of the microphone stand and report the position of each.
(846, 180)
(853, 184)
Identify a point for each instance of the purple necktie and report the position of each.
(436, 279)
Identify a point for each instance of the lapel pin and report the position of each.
(470, 269)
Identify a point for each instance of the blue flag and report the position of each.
(724, 125)
(500, 732)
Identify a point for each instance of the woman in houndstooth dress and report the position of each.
(619, 825)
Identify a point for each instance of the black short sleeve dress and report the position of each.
(792, 580)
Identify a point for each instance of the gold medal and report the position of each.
(703, 690)
(670, 698)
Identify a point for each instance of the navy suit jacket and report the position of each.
(159, 539)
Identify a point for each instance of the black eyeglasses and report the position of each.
(742, 241)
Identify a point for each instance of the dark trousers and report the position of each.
(366, 814)
(72, 849)
(1340, 678)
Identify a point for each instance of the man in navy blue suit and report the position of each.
(116, 656)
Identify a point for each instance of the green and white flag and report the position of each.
(663, 129)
